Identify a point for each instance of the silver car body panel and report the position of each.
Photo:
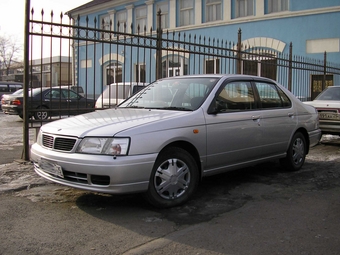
(329, 115)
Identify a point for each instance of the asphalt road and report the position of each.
(258, 210)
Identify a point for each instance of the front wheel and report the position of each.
(174, 178)
(296, 153)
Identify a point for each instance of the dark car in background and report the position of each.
(45, 102)
(8, 87)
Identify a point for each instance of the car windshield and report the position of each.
(332, 93)
(18, 92)
(173, 94)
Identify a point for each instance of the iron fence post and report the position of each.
(290, 67)
(239, 46)
(25, 152)
(159, 47)
(324, 70)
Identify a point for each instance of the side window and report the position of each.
(3, 88)
(236, 96)
(271, 96)
(12, 88)
(285, 99)
(69, 94)
(53, 94)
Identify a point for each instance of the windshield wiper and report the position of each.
(135, 106)
(176, 108)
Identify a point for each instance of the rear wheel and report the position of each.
(174, 178)
(296, 153)
(41, 114)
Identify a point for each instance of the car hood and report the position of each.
(107, 122)
(324, 104)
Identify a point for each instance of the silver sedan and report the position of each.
(163, 140)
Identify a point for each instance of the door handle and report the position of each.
(290, 114)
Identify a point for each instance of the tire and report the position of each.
(296, 153)
(42, 114)
(173, 180)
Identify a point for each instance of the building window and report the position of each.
(121, 20)
(263, 67)
(174, 66)
(140, 73)
(213, 10)
(114, 73)
(164, 7)
(277, 6)
(141, 19)
(212, 66)
(186, 12)
(105, 24)
(244, 8)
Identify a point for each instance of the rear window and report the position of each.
(330, 94)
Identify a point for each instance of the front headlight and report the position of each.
(39, 137)
(104, 145)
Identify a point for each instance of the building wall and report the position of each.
(311, 26)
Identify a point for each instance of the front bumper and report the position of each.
(330, 127)
(98, 173)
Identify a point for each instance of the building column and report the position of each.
(150, 14)
(198, 12)
(112, 19)
(226, 10)
(259, 8)
(172, 14)
(129, 21)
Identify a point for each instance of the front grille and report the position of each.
(58, 143)
(48, 141)
(64, 144)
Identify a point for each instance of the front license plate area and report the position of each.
(329, 115)
(51, 168)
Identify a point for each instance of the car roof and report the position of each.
(226, 76)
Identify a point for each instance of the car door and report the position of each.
(278, 118)
(234, 132)
(74, 104)
(56, 101)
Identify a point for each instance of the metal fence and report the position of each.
(96, 57)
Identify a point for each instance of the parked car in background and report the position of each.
(8, 87)
(166, 137)
(45, 102)
(328, 105)
(116, 93)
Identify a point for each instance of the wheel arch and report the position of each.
(190, 148)
(305, 134)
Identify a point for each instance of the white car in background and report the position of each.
(116, 93)
(328, 105)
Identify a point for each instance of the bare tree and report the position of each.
(9, 53)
